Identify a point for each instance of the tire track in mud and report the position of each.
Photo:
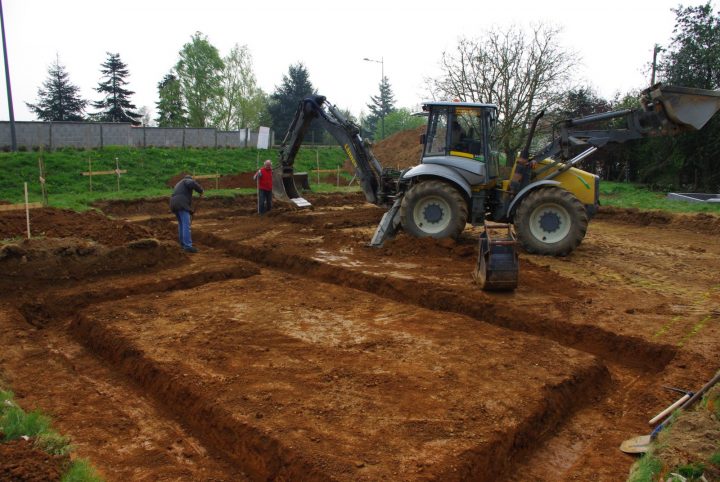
(625, 350)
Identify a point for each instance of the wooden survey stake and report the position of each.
(117, 171)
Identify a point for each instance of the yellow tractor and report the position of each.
(457, 181)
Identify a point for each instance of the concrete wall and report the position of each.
(89, 135)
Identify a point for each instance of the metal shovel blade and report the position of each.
(284, 188)
(636, 445)
(686, 106)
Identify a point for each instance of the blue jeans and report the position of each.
(264, 201)
(183, 218)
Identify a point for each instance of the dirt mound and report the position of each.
(403, 245)
(693, 438)
(698, 222)
(402, 149)
(72, 258)
(21, 462)
(226, 181)
(63, 223)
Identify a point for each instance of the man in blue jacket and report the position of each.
(181, 205)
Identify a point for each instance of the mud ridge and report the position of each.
(40, 312)
(559, 403)
(264, 457)
(175, 386)
(627, 351)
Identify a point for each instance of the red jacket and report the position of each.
(265, 179)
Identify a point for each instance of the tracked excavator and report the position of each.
(546, 199)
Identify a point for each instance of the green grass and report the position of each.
(81, 471)
(626, 195)
(645, 469)
(148, 171)
(16, 423)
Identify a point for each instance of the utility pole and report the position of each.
(382, 81)
(656, 49)
(13, 138)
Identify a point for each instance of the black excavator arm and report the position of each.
(377, 185)
(665, 111)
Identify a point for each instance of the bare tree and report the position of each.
(520, 72)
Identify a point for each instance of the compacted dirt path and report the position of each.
(288, 349)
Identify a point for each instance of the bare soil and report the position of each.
(288, 349)
(20, 461)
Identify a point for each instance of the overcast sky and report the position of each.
(614, 41)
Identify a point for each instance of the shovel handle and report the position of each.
(669, 410)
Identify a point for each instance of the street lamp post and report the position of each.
(13, 139)
(382, 80)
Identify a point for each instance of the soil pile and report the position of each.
(21, 462)
(698, 222)
(402, 149)
(72, 258)
(63, 223)
(693, 440)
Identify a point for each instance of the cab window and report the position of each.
(436, 140)
(467, 132)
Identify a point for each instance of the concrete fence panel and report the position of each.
(90, 135)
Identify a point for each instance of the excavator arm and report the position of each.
(377, 185)
(666, 111)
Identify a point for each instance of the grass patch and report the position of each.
(645, 469)
(715, 459)
(16, 423)
(627, 195)
(81, 471)
(147, 171)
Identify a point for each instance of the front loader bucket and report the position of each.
(284, 188)
(686, 106)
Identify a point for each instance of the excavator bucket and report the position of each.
(691, 108)
(498, 262)
(284, 188)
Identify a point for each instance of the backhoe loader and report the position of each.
(547, 199)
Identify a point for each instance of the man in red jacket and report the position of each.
(264, 180)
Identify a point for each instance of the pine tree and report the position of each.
(380, 107)
(58, 99)
(286, 98)
(171, 111)
(115, 106)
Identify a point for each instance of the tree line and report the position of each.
(520, 71)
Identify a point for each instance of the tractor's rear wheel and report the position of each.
(433, 208)
(551, 221)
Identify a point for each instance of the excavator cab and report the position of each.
(461, 129)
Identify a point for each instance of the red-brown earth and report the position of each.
(288, 349)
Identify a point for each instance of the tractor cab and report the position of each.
(462, 130)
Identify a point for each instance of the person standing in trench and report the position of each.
(263, 177)
(181, 205)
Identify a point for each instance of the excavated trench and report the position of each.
(285, 393)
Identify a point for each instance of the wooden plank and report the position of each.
(18, 207)
(100, 173)
(207, 176)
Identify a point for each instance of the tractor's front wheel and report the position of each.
(550, 221)
(433, 208)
